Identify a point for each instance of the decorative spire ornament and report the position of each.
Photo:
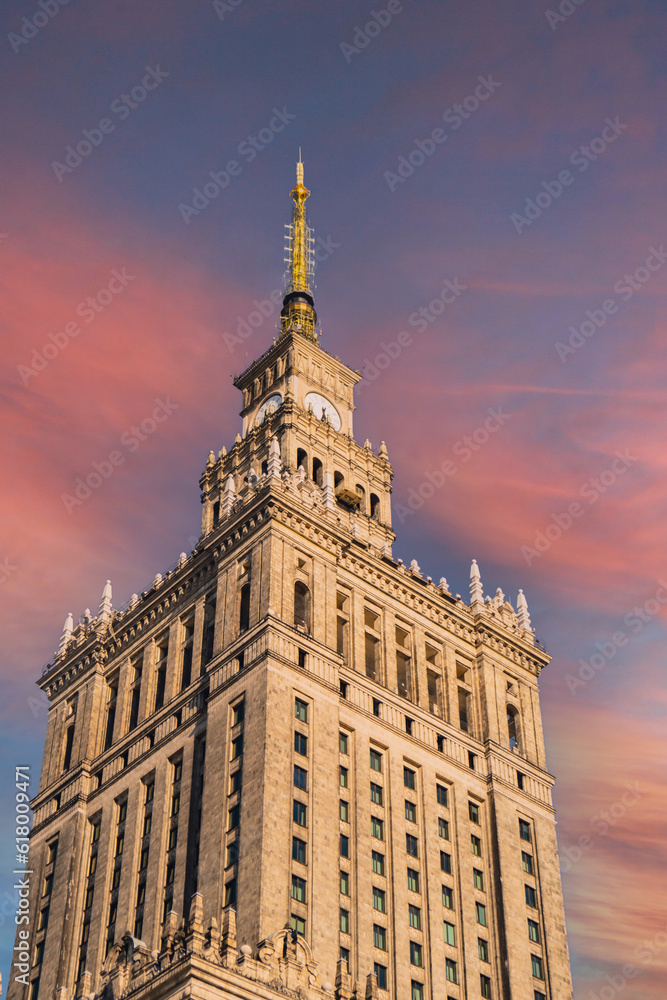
(67, 634)
(298, 313)
(105, 603)
(476, 591)
(522, 611)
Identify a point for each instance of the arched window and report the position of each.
(375, 507)
(339, 480)
(244, 608)
(265, 467)
(318, 472)
(302, 460)
(513, 727)
(302, 605)
(362, 493)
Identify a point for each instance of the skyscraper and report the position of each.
(294, 766)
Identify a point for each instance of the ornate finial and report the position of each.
(105, 603)
(522, 611)
(443, 585)
(476, 591)
(298, 313)
(67, 634)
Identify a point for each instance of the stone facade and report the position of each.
(294, 765)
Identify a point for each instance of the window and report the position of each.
(232, 853)
(446, 862)
(536, 963)
(376, 793)
(208, 630)
(376, 761)
(237, 747)
(450, 971)
(235, 782)
(519, 780)
(478, 879)
(342, 737)
(377, 830)
(524, 830)
(301, 744)
(413, 880)
(230, 892)
(372, 655)
(376, 707)
(415, 917)
(39, 953)
(531, 896)
(344, 846)
(344, 811)
(480, 911)
(298, 850)
(512, 727)
(43, 918)
(378, 863)
(415, 954)
(298, 924)
(300, 710)
(343, 777)
(379, 899)
(69, 743)
(448, 897)
(408, 777)
(238, 713)
(301, 605)
(186, 653)
(443, 828)
(380, 973)
(476, 845)
(534, 931)
(345, 921)
(450, 933)
(483, 949)
(539, 996)
(379, 937)
(345, 955)
(52, 852)
(410, 812)
(411, 845)
(344, 883)
(244, 608)
(473, 812)
(416, 990)
(485, 986)
(441, 795)
(300, 777)
(298, 813)
(527, 862)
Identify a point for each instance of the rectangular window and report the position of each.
(344, 811)
(441, 795)
(524, 830)
(376, 793)
(380, 973)
(534, 931)
(415, 917)
(345, 956)
(237, 747)
(344, 846)
(379, 899)
(377, 828)
(345, 921)
(372, 656)
(343, 777)
(344, 883)
(448, 897)
(536, 963)
(234, 817)
(443, 828)
(342, 738)
(378, 863)
(527, 863)
(379, 937)
(483, 949)
(446, 862)
(376, 761)
(476, 845)
(188, 639)
(298, 813)
(416, 990)
(411, 845)
(298, 889)
(298, 850)
(413, 880)
(415, 954)
(300, 778)
(450, 933)
(539, 996)
(450, 971)
(485, 986)
(410, 812)
(232, 853)
(478, 879)
(238, 714)
(473, 812)
(301, 744)
(531, 896)
(298, 924)
(408, 777)
(480, 910)
(300, 710)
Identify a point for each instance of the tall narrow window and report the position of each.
(95, 828)
(188, 640)
(372, 656)
(513, 727)
(302, 605)
(135, 696)
(111, 713)
(162, 654)
(318, 472)
(208, 631)
(116, 873)
(172, 841)
(149, 794)
(244, 608)
(464, 713)
(342, 625)
(375, 507)
(69, 743)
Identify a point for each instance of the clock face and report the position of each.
(322, 407)
(272, 403)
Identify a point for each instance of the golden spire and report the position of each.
(298, 314)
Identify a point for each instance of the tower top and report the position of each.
(298, 313)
